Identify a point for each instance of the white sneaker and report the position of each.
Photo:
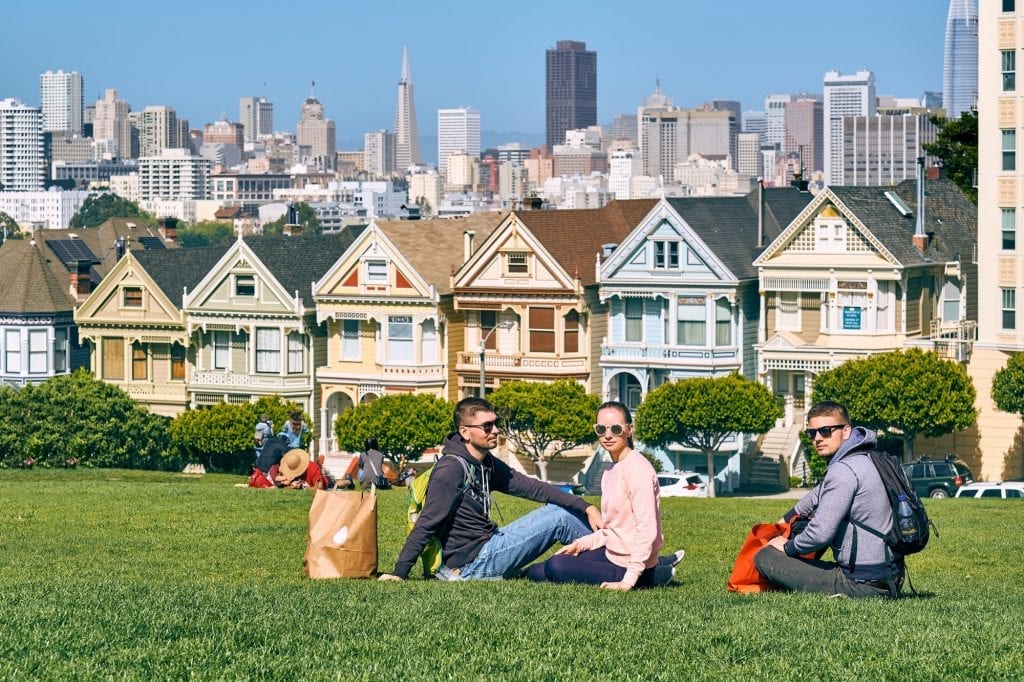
(672, 559)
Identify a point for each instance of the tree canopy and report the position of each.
(99, 208)
(404, 424)
(78, 420)
(701, 413)
(221, 436)
(205, 233)
(8, 228)
(1008, 385)
(541, 420)
(306, 217)
(956, 144)
(903, 393)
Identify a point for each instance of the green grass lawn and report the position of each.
(142, 575)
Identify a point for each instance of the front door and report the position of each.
(790, 386)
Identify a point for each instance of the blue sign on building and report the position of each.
(851, 317)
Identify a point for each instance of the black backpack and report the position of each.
(896, 483)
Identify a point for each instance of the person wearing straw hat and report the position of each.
(297, 471)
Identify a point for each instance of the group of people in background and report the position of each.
(281, 462)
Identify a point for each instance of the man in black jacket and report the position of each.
(457, 511)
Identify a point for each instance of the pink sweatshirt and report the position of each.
(630, 505)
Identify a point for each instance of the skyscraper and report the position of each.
(852, 95)
(316, 131)
(407, 137)
(458, 130)
(60, 97)
(159, 130)
(379, 153)
(111, 123)
(22, 165)
(960, 60)
(804, 122)
(571, 86)
(257, 115)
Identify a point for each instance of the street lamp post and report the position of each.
(507, 324)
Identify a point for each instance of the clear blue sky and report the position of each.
(200, 57)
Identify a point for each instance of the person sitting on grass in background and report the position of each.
(297, 471)
(457, 511)
(371, 466)
(851, 492)
(267, 466)
(264, 432)
(623, 554)
(295, 429)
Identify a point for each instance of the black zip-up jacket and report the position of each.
(459, 519)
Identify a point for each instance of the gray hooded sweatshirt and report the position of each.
(851, 490)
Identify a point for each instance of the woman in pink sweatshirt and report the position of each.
(623, 554)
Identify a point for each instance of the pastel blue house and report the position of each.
(682, 297)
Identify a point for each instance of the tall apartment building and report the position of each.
(458, 130)
(883, 149)
(314, 130)
(379, 153)
(668, 136)
(748, 153)
(960, 58)
(1000, 247)
(110, 123)
(407, 136)
(845, 95)
(174, 175)
(754, 122)
(623, 127)
(623, 166)
(571, 89)
(775, 119)
(22, 161)
(61, 100)
(712, 131)
(256, 114)
(160, 129)
(804, 133)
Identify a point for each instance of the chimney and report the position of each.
(467, 245)
(920, 238)
(119, 245)
(81, 282)
(760, 213)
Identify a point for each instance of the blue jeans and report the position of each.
(520, 542)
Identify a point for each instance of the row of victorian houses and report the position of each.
(778, 286)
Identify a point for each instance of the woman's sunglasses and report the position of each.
(616, 429)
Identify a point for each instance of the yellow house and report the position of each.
(387, 306)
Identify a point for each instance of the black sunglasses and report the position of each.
(825, 431)
(616, 429)
(486, 426)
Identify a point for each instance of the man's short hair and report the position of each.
(296, 415)
(829, 408)
(467, 407)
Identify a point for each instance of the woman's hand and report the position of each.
(619, 586)
(572, 549)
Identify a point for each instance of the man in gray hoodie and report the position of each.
(850, 493)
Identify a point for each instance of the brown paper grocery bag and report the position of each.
(342, 535)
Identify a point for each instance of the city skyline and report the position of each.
(698, 56)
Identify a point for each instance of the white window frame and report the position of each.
(1008, 229)
(377, 271)
(296, 353)
(429, 346)
(1008, 299)
(636, 320)
(60, 350)
(788, 311)
(268, 350)
(221, 350)
(350, 339)
(400, 350)
(38, 350)
(950, 300)
(517, 264)
(12, 351)
(668, 258)
(690, 310)
(244, 280)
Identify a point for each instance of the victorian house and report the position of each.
(863, 270)
(387, 305)
(682, 298)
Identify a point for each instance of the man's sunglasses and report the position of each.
(487, 427)
(616, 429)
(825, 431)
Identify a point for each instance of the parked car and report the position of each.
(937, 477)
(1007, 490)
(682, 484)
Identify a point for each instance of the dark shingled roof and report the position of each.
(728, 225)
(175, 269)
(33, 279)
(575, 237)
(951, 220)
(298, 262)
